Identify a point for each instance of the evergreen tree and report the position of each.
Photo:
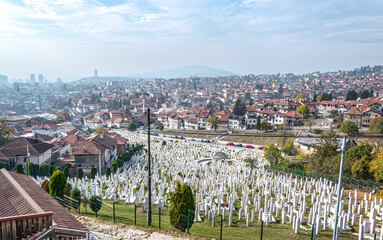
(57, 184)
(239, 108)
(182, 206)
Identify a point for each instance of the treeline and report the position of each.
(119, 162)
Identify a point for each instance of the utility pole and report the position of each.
(339, 198)
(149, 176)
(27, 165)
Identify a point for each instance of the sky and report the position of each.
(70, 38)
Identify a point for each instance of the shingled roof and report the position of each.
(20, 195)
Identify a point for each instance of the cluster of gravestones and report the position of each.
(306, 203)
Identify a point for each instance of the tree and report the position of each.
(101, 130)
(85, 203)
(44, 170)
(107, 171)
(213, 121)
(333, 113)
(95, 203)
(76, 196)
(132, 127)
(4, 165)
(319, 98)
(376, 167)
(377, 125)
(258, 126)
(265, 125)
(93, 172)
(45, 185)
(66, 171)
(304, 110)
(301, 96)
(57, 184)
(19, 168)
(361, 168)
(51, 170)
(273, 155)
(239, 108)
(67, 189)
(5, 132)
(80, 173)
(288, 148)
(348, 127)
(280, 89)
(114, 166)
(161, 126)
(182, 206)
(351, 95)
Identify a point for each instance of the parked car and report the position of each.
(249, 146)
(207, 140)
(182, 137)
(192, 139)
(230, 144)
(261, 147)
(238, 145)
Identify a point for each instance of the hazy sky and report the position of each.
(69, 38)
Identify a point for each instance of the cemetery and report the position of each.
(232, 201)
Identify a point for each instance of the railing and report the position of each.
(22, 226)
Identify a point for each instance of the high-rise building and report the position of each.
(3, 79)
(95, 73)
(41, 79)
(32, 78)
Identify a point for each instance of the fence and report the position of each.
(347, 183)
(217, 226)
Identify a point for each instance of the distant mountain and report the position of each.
(183, 72)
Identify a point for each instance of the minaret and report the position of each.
(143, 105)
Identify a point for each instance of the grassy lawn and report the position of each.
(256, 138)
(204, 230)
(193, 133)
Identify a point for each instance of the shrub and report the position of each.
(114, 166)
(4, 165)
(272, 154)
(182, 200)
(348, 127)
(19, 168)
(36, 170)
(93, 172)
(66, 171)
(44, 170)
(76, 195)
(95, 203)
(289, 147)
(107, 171)
(51, 170)
(80, 173)
(85, 203)
(317, 131)
(45, 185)
(57, 184)
(67, 189)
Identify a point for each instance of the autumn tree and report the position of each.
(304, 110)
(301, 96)
(213, 121)
(101, 130)
(377, 125)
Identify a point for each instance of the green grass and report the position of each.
(204, 230)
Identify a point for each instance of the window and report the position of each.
(91, 158)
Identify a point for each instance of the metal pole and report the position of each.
(159, 219)
(114, 214)
(339, 187)
(149, 176)
(220, 234)
(135, 214)
(261, 229)
(99, 161)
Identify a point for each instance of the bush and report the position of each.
(361, 168)
(85, 203)
(19, 168)
(80, 173)
(4, 165)
(51, 170)
(67, 189)
(114, 166)
(107, 171)
(66, 171)
(36, 170)
(45, 185)
(95, 203)
(93, 172)
(272, 154)
(317, 131)
(348, 127)
(163, 143)
(289, 147)
(76, 195)
(44, 170)
(182, 200)
(57, 184)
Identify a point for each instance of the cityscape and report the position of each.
(191, 120)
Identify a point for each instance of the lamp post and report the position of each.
(149, 175)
